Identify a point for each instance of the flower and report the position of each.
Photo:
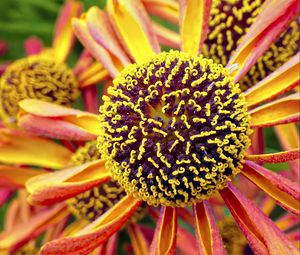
(150, 110)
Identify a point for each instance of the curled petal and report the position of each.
(194, 16)
(278, 157)
(272, 20)
(262, 234)
(280, 81)
(208, 236)
(140, 39)
(64, 37)
(285, 110)
(55, 187)
(138, 240)
(96, 233)
(164, 241)
(18, 147)
(12, 240)
(284, 191)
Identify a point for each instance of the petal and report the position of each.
(16, 177)
(287, 221)
(166, 36)
(99, 52)
(140, 39)
(55, 187)
(96, 233)
(194, 16)
(186, 215)
(284, 191)
(138, 240)
(164, 241)
(272, 20)
(18, 147)
(12, 240)
(208, 237)
(278, 82)
(90, 99)
(33, 45)
(165, 9)
(5, 194)
(274, 158)
(64, 37)
(185, 237)
(281, 111)
(288, 136)
(257, 141)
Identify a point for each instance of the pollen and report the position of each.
(37, 77)
(229, 22)
(174, 129)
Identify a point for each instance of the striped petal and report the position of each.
(18, 147)
(164, 241)
(16, 177)
(55, 187)
(55, 121)
(194, 17)
(96, 233)
(272, 20)
(274, 158)
(64, 37)
(280, 81)
(166, 36)
(165, 9)
(262, 234)
(139, 243)
(140, 39)
(12, 240)
(208, 236)
(284, 191)
(285, 110)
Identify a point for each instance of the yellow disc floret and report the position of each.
(37, 77)
(174, 128)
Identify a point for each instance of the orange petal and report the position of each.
(165, 9)
(12, 240)
(278, 82)
(140, 39)
(208, 236)
(55, 187)
(287, 221)
(262, 234)
(166, 36)
(16, 177)
(272, 20)
(194, 17)
(278, 157)
(285, 110)
(96, 233)
(164, 241)
(138, 240)
(284, 191)
(18, 147)
(64, 37)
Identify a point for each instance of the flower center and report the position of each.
(174, 129)
(93, 203)
(37, 77)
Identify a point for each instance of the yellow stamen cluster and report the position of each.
(174, 129)
(37, 77)
(230, 21)
(233, 239)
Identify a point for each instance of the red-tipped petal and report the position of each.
(208, 236)
(55, 187)
(140, 40)
(262, 234)
(164, 241)
(284, 191)
(12, 240)
(64, 37)
(280, 81)
(278, 157)
(33, 46)
(194, 17)
(272, 20)
(139, 242)
(96, 233)
(285, 110)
